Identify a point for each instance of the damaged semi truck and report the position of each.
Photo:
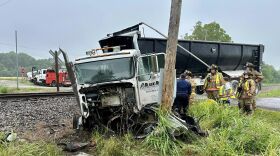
(117, 85)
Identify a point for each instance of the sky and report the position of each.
(77, 26)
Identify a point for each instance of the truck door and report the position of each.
(148, 78)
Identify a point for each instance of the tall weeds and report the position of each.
(233, 133)
(160, 139)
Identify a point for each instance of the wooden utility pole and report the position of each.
(17, 56)
(171, 48)
(56, 71)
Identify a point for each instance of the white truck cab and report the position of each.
(40, 77)
(111, 81)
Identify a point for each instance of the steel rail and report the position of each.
(31, 95)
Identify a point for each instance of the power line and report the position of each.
(4, 3)
(21, 46)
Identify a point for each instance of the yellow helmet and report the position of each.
(213, 66)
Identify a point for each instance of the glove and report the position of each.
(239, 89)
(249, 94)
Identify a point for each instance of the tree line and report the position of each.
(8, 67)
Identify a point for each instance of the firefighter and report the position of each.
(246, 93)
(257, 77)
(193, 84)
(225, 92)
(184, 89)
(213, 81)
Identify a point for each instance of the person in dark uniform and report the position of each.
(184, 90)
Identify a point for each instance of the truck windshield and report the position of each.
(105, 70)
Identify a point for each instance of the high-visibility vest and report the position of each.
(217, 81)
(246, 87)
(222, 93)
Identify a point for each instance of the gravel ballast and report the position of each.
(24, 113)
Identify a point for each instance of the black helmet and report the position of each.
(247, 73)
(250, 65)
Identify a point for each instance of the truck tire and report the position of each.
(44, 82)
(35, 81)
(199, 90)
(53, 84)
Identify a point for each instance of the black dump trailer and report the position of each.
(228, 56)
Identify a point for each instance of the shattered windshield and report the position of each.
(104, 70)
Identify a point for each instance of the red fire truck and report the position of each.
(51, 78)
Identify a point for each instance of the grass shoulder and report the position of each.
(270, 93)
(230, 133)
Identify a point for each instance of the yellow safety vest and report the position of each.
(222, 93)
(247, 86)
(217, 81)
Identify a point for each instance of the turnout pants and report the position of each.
(213, 95)
(254, 103)
(246, 105)
(181, 103)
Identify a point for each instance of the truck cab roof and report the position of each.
(108, 55)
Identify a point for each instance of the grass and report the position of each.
(119, 146)
(29, 149)
(269, 84)
(160, 139)
(230, 133)
(27, 86)
(4, 89)
(24, 148)
(10, 78)
(271, 93)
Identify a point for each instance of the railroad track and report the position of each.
(35, 95)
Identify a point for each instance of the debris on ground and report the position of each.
(82, 154)
(73, 146)
(11, 136)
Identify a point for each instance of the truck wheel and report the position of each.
(35, 81)
(88, 123)
(53, 84)
(199, 90)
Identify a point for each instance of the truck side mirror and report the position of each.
(154, 67)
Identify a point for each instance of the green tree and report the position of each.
(209, 32)
(8, 63)
(271, 75)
